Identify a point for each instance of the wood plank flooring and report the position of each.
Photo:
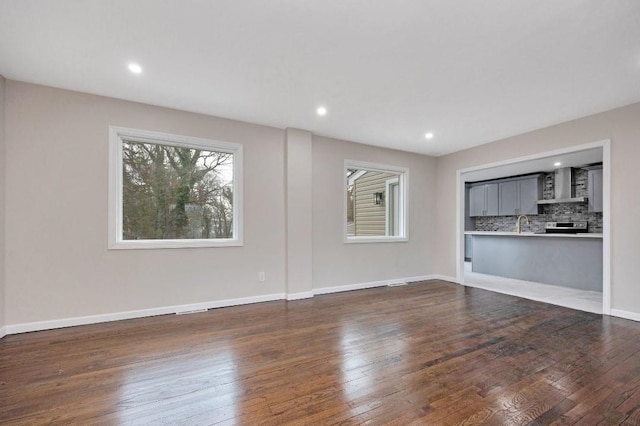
(430, 353)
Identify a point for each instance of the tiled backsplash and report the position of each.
(563, 212)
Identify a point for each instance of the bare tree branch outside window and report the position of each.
(172, 192)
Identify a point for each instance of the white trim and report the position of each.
(403, 181)
(203, 306)
(372, 284)
(300, 295)
(95, 319)
(174, 244)
(606, 227)
(389, 206)
(625, 314)
(375, 239)
(606, 215)
(445, 278)
(374, 167)
(116, 136)
(460, 217)
(355, 176)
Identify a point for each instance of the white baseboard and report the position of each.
(420, 278)
(300, 295)
(372, 284)
(625, 314)
(94, 319)
(445, 278)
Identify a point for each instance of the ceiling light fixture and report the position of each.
(557, 163)
(135, 68)
(321, 111)
(429, 135)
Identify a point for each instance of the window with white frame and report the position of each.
(169, 191)
(375, 202)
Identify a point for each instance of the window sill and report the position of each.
(172, 244)
(360, 240)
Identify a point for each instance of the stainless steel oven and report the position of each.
(565, 227)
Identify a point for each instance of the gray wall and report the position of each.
(3, 299)
(336, 263)
(298, 202)
(622, 126)
(57, 262)
(58, 265)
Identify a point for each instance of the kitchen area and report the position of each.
(538, 234)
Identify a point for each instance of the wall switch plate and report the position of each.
(261, 276)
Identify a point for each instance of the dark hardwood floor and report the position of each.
(431, 353)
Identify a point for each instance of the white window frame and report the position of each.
(389, 207)
(403, 182)
(116, 137)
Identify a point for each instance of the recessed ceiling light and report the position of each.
(321, 111)
(557, 163)
(135, 68)
(428, 135)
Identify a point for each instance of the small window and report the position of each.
(169, 191)
(375, 202)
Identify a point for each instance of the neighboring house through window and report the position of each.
(376, 202)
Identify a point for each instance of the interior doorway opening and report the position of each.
(576, 156)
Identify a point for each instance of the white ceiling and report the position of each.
(388, 71)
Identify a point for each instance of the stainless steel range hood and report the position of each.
(562, 188)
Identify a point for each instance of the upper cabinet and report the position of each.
(520, 196)
(595, 190)
(530, 193)
(492, 199)
(483, 200)
(508, 197)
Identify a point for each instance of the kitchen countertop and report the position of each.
(532, 234)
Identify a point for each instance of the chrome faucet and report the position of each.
(518, 222)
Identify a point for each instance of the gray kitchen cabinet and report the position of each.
(468, 247)
(483, 200)
(530, 191)
(492, 199)
(509, 198)
(520, 196)
(567, 261)
(476, 200)
(595, 191)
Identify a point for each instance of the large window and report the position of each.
(169, 191)
(375, 202)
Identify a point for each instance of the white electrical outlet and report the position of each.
(261, 276)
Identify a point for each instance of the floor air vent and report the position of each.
(195, 311)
